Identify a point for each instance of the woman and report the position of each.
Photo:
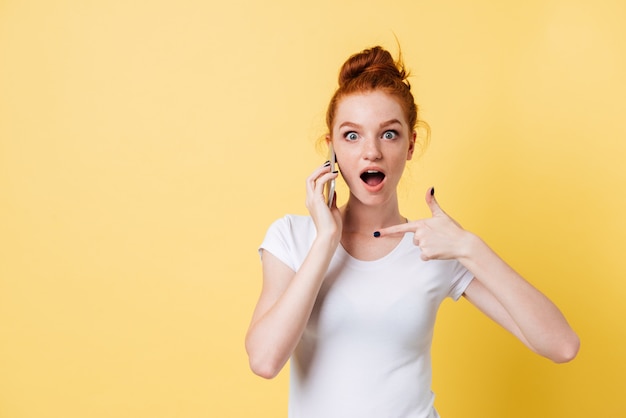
(351, 294)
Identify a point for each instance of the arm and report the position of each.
(503, 295)
(497, 290)
(288, 297)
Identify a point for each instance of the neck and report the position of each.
(360, 218)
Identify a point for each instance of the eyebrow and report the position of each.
(382, 125)
(390, 122)
(349, 125)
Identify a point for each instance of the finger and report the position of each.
(431, 201)
(319, 185)
(316, 175)
(397, 229)
(324, 168)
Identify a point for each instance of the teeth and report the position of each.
(371, 171)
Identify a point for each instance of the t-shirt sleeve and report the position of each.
(278, 242)
(462, 277)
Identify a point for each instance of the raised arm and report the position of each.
(497, 290)
(288, 297)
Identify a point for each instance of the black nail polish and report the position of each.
(327, 163)
(432, 191)
(336, 171)
(376, 234)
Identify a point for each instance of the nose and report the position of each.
(371, 149)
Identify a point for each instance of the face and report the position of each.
(372, 141)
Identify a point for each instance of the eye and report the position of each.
(390, 134)
(351, 136)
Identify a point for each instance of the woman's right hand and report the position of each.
(327, 220)
(287, 296)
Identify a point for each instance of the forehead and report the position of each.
(369, 108)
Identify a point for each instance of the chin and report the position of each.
(367, 199)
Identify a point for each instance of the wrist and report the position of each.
(328, 238)
(470, 246)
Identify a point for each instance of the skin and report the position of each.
(371, 132)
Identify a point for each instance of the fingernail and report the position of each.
(336, 171)
(376, 234)
(327, 163)
(432, 191)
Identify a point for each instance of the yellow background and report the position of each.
(145, 146)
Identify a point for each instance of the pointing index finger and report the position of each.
(396, 229)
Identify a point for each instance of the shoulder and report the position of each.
(290, 224)
(289, 239)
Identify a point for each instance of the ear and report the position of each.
(329, 143)
(412, 140)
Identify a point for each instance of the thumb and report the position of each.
(434, 207)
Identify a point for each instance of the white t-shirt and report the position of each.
(366, 348)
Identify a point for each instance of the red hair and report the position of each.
(374, 69)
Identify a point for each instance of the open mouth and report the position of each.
(372, 177)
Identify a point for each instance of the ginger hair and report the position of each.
(375, 69)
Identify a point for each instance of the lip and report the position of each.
(377, 187)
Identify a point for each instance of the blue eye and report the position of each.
(390, 135)
(351, 136)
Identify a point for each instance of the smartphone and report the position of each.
(330, 186)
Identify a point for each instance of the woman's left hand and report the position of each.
(439, 237)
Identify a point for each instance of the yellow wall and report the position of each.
(145, 147)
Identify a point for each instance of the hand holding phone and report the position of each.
(330, 186)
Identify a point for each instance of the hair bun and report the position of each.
(373, 70)
(375, 62)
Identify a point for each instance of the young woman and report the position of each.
(351, 294)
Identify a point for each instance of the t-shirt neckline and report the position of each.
(369, 264)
